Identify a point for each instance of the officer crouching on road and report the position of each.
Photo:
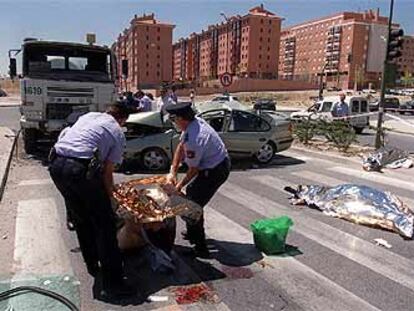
(82, 164)
(205, 154)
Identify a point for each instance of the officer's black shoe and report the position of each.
(202, 251)
(70, 225)
(120, 291)
(93, 270)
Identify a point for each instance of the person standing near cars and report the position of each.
(82, 164)
(340, 109)
(145, 103)
(206, 156)
(164, 100)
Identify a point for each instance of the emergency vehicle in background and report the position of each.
(59, 80)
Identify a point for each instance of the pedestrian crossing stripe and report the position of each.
(379, 260)
(309, 289)
(374, 177)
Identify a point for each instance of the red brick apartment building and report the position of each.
(147, 45)
(347, 47)
(247, 46)
(405, 63)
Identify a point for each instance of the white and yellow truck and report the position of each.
(58, 80)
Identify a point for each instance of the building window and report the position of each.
(270, 22)
(261, 29)
(147, 37)
(158, 38)
(147, 73)
(158, 73)
(158, 29)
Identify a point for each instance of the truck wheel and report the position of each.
(29, 139)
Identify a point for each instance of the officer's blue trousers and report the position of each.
(201, 190)
(93, 217)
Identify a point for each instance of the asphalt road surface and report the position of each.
(331, 264)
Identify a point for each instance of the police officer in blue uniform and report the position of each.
(205, 154)
(82, 163)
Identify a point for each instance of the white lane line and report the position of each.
(309, 289)
(382, 261)
(39, 248)
(36, 182)
(298, 152)
(374, 177)
(329, 181)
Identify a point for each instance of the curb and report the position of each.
(9, 105)
(5, 172)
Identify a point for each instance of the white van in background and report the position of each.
(323, 109)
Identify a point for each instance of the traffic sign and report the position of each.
(226, 79)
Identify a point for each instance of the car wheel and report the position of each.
(154, 159)
(266, 153)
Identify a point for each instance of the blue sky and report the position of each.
(70, 20)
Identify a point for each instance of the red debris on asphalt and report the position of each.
(194, 293)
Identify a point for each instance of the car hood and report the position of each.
(150, 118)
(212, 105)
(302, 113)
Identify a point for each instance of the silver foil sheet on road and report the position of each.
(359, 204)
(388, 157)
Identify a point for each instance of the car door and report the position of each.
(245, 132)
(358, 106)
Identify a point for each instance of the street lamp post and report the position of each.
(378, 137)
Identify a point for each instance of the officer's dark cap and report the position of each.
(183, 109)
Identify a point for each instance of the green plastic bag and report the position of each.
(270, 234)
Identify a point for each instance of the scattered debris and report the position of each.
(47, 282)
(237, 272)
(387, 157)
(4, 237)
(66, 278)
(262, 263)
(359, 204)
(195, 293)
(383, 243)
(154, 298)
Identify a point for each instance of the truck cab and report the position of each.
(323, 109)
(60, 80)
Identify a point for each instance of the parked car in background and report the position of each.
(407, 107)
(151, 141)
(391, 103)
(264, 104)
(224, 98)
(322, 109)
(369, 91)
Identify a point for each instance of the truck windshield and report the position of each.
(66, 62)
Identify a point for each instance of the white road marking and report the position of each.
(39, 248)
(309, 289)
(36, 182)
(387, 263)
(374, 177)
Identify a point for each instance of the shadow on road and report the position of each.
(130, 168)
